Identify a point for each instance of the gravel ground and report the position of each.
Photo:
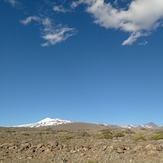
(80, 143)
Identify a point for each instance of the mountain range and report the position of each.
(58, 121)
(147, 125)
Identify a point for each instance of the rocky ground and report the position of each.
(81, 145)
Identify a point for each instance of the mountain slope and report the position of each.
(46, 122)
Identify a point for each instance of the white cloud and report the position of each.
(133, 37)
(54, 35)
(143, 43)
(29, 19)
(60, 9)
(115, 2)
(12, 2)
(47, 22)
(57, 35)
(50, 33)
(139, 19)
(75, 4)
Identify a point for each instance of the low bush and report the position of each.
(143, 129)
(157, 136)
(106, 134)
(26, 134)
(140, 137)
(119, 134)
(129, 131)
(91, 160)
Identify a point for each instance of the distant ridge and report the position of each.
(147, 125)
(58, 121)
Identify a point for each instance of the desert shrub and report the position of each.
(159, 132)
(65, 136)
(106, 134)
(48, 129)
(54, 132)
(129, 131)
(143, 129)
(157, 136)
(140, 137)
(25, 134)
(83, 134)
(119, 134)
(91, 160)
(10, 132)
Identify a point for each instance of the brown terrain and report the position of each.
(81, 143)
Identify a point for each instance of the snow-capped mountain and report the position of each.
(46, 122)
(57, 121)
(147, 125)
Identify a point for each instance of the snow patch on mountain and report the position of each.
(147, 125)
(46, 122)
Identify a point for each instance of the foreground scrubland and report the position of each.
(81, 145)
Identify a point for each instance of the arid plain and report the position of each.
(81, 143)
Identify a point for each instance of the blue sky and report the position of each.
(84, 60)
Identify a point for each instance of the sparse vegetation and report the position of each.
(144, 129)
(119, 134)
(91, 160)
(106, 134)
(157, 136)
(114, 145)
(25, 133)
(140, 137)
(129, 131)
(83, 134)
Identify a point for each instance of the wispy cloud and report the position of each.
(133, 37)
(57, 34)
(29, 19)
(139, 19)
(50, 33)
(143, 43)
(12, 2)
(60, 9)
